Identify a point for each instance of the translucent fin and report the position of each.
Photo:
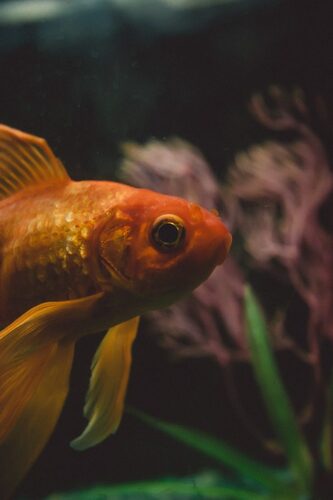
(110, 372)
(36, 421)
(26, 160)
(35, 361)
(18, 381)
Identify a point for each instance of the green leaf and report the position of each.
(217, 450)
(207, 485)
(274, 395)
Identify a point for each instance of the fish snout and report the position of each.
(218, 238)
(224, 248)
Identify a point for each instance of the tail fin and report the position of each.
(35, 364)
(36, 415)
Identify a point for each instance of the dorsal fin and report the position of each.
(26, 160)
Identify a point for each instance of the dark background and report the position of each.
(92, 79)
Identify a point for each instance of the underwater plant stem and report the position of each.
(274, 395)
(216, 449)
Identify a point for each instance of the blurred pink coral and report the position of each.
(279, 189)
(272, 198)
(173, 167)
(193, 327)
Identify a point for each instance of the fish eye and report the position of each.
(168, 232)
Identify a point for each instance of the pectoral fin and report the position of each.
(108, 384)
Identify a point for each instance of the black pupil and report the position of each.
(168, 233)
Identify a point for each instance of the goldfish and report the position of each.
(79, 258)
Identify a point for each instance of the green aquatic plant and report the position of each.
(275, 398)
(297, 478)
(208, 485)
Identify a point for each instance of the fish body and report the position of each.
(49, 243)
(46, 242)
(78, 258)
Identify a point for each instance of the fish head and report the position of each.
(160, 247)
